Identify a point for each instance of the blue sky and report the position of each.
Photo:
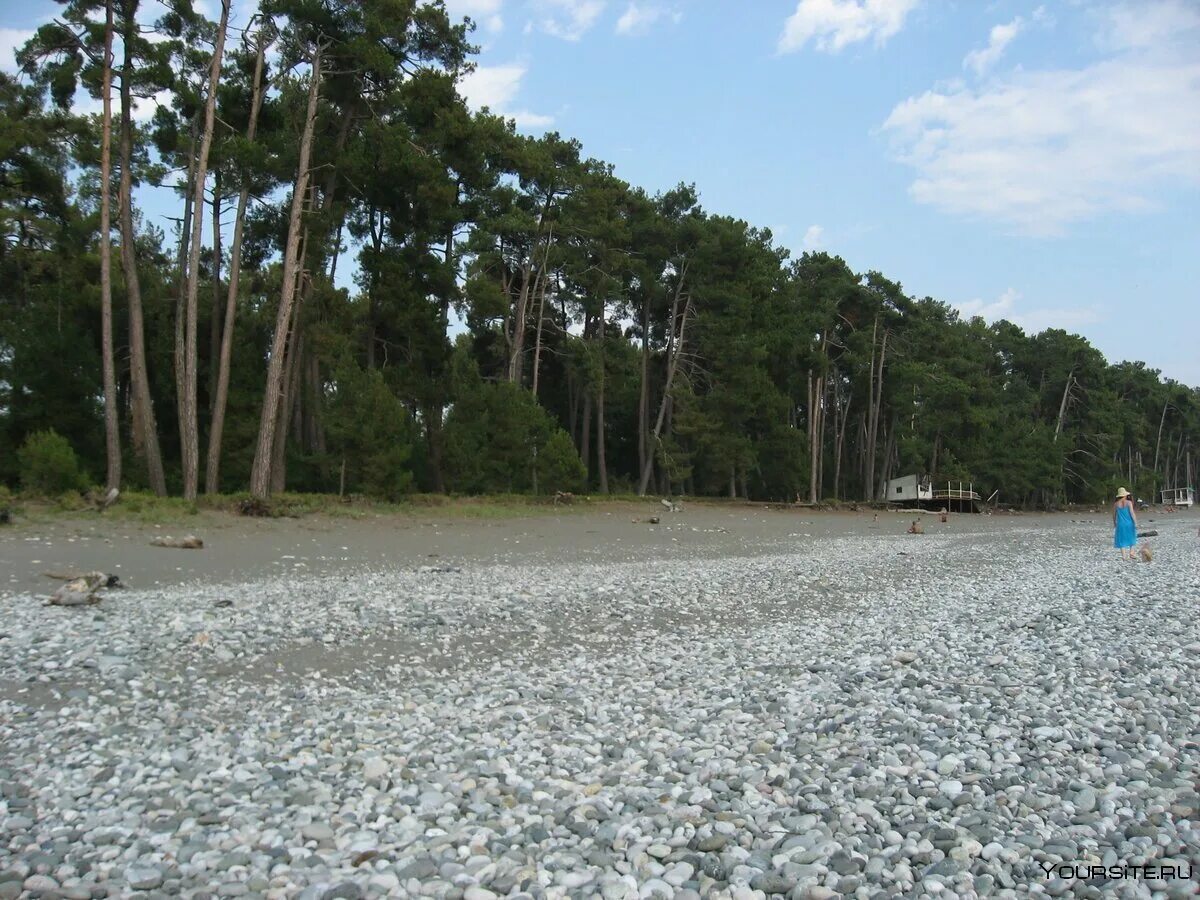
(1033, 161)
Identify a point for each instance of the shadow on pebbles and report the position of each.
(988, 715)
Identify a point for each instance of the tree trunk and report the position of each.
(876, 414)
(1158, 443)
(541, 315)
(674, 348)
(260, 476)
(189, 428)
(288, 411)
(889, 452)
(185, 237)
(812, 436)
(601, 462)
(644, 388)
(212, 480)
(112, 432)
(517, 353)
(868, 449)
(372, 285)
(145, 428)
(1062, 407)
(841, 449)
(585, 442)
(214, 335)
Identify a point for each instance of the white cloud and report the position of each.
(1034, 320)
(998, 40)
(483, 12)
(496, 87)
(814, 238)
(12, 40)
(639, 19)
(566, 19)
(834, 24)
(1146, 25)
(1039, 150)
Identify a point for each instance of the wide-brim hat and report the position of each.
(1121, 492)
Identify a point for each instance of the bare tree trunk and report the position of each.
(288, 412)
(189, 428)
(1158, 443)
(516, 357)
(601, 462)
(821, 439)
(889, 453)
(145, 428)
(185, 237)
(877, 411)
(112, 432)
(372, 285)
(1062, 407)
(644, 389)
(841, 446)
(814, 389)
(260, 477)
(544, 276)
(212, 480)
(294, 351)
(674, 349)
(585, 442)
(214, 334)
(868, 450)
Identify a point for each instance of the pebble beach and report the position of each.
(999, 711)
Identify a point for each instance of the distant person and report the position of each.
(1124, 525)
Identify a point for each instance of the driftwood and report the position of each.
(563, 497)
(190, 542)
(79, 591)
(1146, 534)
(108, 581)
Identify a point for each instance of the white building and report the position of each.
(1183, 496)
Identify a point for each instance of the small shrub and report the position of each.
(559, 465)
(71, 501)
(49, 466)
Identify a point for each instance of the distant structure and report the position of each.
(926, 492)
(1183, 496)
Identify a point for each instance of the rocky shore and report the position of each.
(958, 714)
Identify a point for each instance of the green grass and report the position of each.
(147, 509)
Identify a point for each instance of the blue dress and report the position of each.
(1125, 534)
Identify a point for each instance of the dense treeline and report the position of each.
(614, 341)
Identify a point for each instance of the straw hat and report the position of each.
(1121, 492)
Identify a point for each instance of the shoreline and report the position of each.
(240, 548)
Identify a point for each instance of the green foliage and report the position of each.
(559, 467)
(610, 334)
(499, 438)
(48, 465)
(370, 434)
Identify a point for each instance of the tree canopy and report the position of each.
(399, 294)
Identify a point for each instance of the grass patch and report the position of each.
(144, 508)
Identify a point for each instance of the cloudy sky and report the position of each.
(1033, 161)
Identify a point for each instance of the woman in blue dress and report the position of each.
(1124, 524)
